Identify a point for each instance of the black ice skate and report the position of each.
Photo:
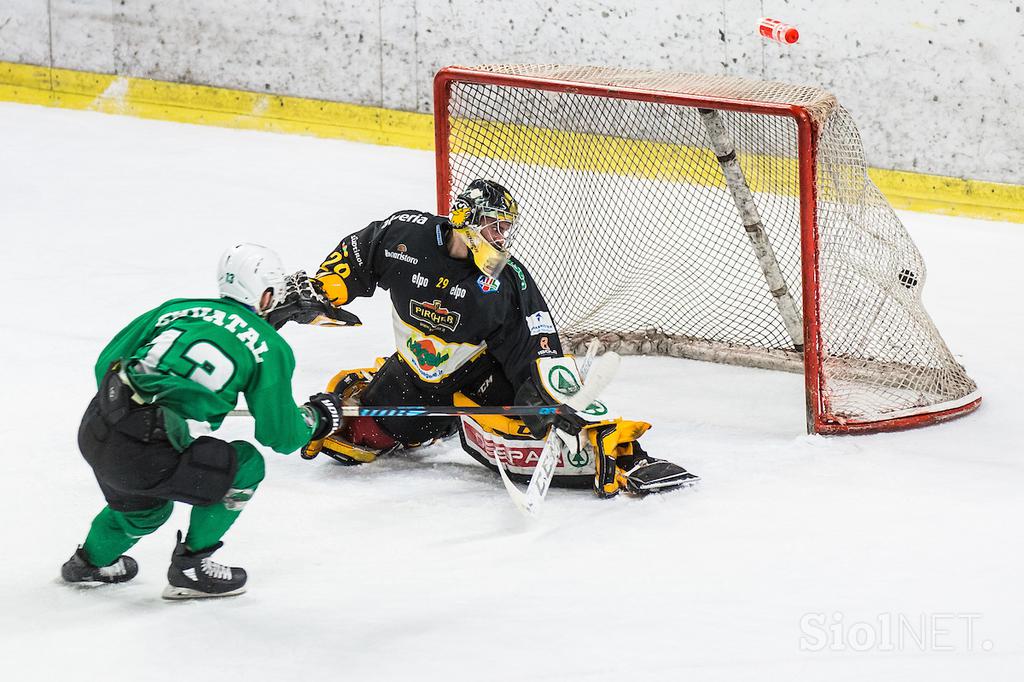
(194, 575)
(78, 569)
(645, 474)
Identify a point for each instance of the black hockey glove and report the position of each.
(327, 406)
(306, 303)
(538, 424)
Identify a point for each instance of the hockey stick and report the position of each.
(442, 411)
(452, 411)
(600, 374)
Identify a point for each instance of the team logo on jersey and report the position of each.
(433, 315)
(426, 354)
(487, 284)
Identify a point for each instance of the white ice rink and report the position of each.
(895, 557)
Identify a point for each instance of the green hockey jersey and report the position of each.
(194, 356)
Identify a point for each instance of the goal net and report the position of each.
(707, 217)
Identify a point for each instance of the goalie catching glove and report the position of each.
(306, 303)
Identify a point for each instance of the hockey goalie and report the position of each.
(471, 328)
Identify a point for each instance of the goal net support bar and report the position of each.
(725, 152)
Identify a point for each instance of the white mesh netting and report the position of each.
(629, 227)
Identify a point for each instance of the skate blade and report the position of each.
(178, 593)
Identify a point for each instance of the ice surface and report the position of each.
(418, 567)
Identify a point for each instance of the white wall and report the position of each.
(934, 86)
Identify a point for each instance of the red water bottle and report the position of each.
(773, 29)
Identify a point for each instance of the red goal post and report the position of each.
(764, 243)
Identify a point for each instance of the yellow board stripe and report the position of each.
(951, 196)
(664, 161)
(206, 105)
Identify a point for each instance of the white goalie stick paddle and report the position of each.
(600, 374)
(588, 360)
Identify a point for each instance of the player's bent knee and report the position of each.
(145, 521)
(251, 467)
(206, 470)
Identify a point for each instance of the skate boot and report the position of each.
(78, 569)
(642, 474)
(194, 575)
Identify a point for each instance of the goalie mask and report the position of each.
(246, 271)
(484, 217)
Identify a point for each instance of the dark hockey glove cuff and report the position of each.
(327, 406)
(539, 425)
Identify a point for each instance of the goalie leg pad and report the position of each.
(488, 437)
(605, 482)
(359, 441)
(349, 383)
(609, 439)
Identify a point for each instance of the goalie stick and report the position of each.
(600, 373)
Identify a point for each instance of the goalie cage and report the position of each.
(708, 217)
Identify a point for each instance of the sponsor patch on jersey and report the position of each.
(540, 323)
(414, 218)
(419, 280)
(545, 347)
(457, 292)
(487, 284)
(519, 271)
(400, 254)
(428, 357)
(354, 241)
(433, 315)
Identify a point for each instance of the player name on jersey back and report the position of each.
(229, 321)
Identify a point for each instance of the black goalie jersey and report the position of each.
(447, 315)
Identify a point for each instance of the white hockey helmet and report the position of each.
(246, 271)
